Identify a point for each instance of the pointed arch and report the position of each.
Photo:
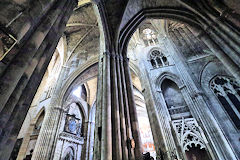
(170, 76)
(40, 112)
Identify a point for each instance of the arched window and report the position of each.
(158, 59)
(187, 131)
(69, 154)
(227, 91)
(74, 120)
(176, 104)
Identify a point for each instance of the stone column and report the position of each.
(116, 133)
(123, 122)
(129, 134)
(98, 118)
(158, 116)
(22, 24)
(10, 132)
(132, 111)
(15, 70)
(85, 146)
(106, 128)
(44, 146)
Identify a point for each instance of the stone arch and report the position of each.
(39, 114)
(72, 77)
(87, 92)
(180, 15)
(207, 74)
(170, 76)
(68, 150)
(80, 107)
(202, 70)
(92, 112)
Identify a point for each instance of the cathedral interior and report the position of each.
(119, 80)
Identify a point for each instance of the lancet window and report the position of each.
(174, 99)
(158, 59)
(227, 91)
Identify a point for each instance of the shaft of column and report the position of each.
(13, 126)
(48, 128)
(98, 118)
(106, 133)
(86, 132)
(13, 99)
(123, 125)
(16, 68)
(45, 144)
(116, 133)
(133, 113)
(24, 146)
(131, 155)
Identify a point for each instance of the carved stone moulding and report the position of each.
(7, 42)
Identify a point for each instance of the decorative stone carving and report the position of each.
(188, 133)
(71, 138)
(7, 42)
(222, 85)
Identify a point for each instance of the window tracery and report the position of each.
(158, 59)
(227, 91)
(188, 133)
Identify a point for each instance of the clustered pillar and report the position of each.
(117, 135)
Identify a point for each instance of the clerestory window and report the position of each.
(227, 91)
(158, 59)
